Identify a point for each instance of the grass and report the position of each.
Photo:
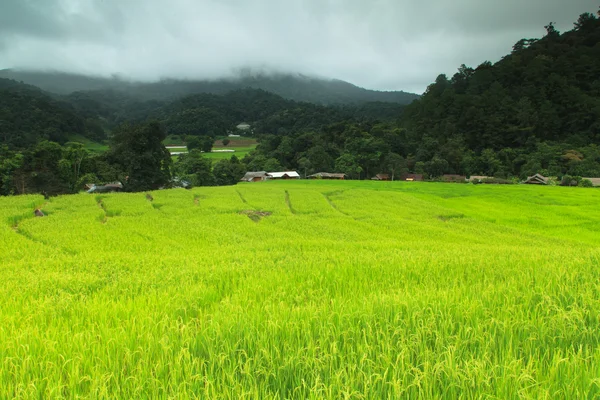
(304, 289)
(90, 145)
(240, 152)
(178, 150)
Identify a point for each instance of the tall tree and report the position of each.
(138, 149)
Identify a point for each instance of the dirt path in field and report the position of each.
(17, 229)
(241, 196)
(332, 204)
(289, 202)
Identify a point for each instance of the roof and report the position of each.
(327, 175)
(454, 176)
(412, 177)
(595, 181)
(381, 177)
(537, 178)
(255, 174)
(291, 174)
(109, 187)
(479, 177)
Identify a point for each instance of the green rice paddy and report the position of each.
(303, 290)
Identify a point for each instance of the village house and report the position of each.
(284, 175)
(454, 178)
(244, 126)
(327, 175)
(109, 187)
(381, 177)
(595, 181)
(257, 176)
(536, 179)
(479, 178)
(411, 177)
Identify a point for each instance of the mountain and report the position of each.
(293, 87)
(28, 115)
(536, 110)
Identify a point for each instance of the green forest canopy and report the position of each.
(537, 110)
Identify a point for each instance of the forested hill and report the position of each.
(28, 115)
(293, 87)
(539, 108)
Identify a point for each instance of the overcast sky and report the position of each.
(377, 44)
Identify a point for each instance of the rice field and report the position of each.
(303, 290)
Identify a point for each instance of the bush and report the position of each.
(568, 180)
(586, 183)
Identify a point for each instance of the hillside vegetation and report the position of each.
(535, 111)
(289, 86)
(303, 290)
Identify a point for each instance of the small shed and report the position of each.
(255, 176)
(109, 187)
(381, 177)
(327, 175)
(284, 175)
(479, 178)
(536, 179)
(453, 178)
(411, 177)
(244, 126)
(595, 181)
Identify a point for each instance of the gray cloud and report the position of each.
(380, 44)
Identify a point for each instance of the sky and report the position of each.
(376, 44)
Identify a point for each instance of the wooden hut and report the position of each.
(381, 177)
(327, 175)
(536, 179)
(256, 176)
(411, 177)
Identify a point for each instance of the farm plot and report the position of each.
(303, 289)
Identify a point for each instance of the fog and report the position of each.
(377, 44)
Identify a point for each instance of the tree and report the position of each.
(228, 173)
(395, 163)
(319, 159)
(138, 149)
(73, 156)
(272, 165)
(207, 144)
(436, 167)
(193, 142)
(194, 167)
(348, 165)
(225, 142)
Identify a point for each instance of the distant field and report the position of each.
(240, 152)
(177, 149)
(303, 290)
(90, 145)
(242, 146)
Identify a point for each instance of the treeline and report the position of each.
(535, 111)
(137, 158)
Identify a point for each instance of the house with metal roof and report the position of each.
(284, 175)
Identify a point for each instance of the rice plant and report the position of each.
(334, 290)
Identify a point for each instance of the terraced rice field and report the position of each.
(303, 290)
